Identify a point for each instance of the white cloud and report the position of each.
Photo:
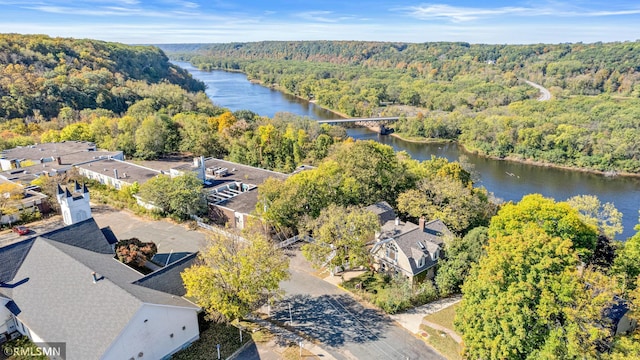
(462, 14)
(317, 16)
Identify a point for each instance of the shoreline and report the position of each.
(462, 146)
(518, 160)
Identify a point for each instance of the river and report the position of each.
(506, 180)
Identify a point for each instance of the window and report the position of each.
(422, 261)
(392, 252)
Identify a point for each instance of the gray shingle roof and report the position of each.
(383, 210)
(85, 234)
(11, 258)
(168, 279)
(60, 302)
(410, 239)
(58, 299)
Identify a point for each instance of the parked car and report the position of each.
(21, 230)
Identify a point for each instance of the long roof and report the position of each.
(57, 299)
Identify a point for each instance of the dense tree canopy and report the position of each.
(557, 219)
(40, 75)
(472, 93)
(526, 299)
(460, 255)
(341, 236)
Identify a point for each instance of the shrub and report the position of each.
(135, 252)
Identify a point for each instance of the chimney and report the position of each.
(397, 221)
(202, 170)
(196, 162)
(58, 160)
(115, 173)
(95, 277)
(421, 223)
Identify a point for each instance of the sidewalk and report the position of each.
(285, 336)
(412, 319)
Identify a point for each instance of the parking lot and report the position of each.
(171, 238)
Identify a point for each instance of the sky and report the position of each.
(220, 21)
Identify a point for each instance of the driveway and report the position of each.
(345, 328)
(171, 238)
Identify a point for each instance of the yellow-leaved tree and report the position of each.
(236, 274)
(10, 195)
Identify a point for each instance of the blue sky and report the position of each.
(197, 21)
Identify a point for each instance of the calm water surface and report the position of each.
(507, 180)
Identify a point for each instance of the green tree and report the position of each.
(627, 261)
(236, 274)
(459, 206)
(154, 137)
(180, 196)
(526, 299)
(341, 236)
(605, 216)
(554, 218)
(461, 254)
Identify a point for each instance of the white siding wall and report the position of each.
(5, 164)
(153, 337)
(6, 323)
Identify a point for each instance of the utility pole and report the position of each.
(290, 317)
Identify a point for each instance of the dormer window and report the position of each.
(422, 261)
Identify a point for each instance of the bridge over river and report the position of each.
(372, 123)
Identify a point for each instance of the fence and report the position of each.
(294, 240)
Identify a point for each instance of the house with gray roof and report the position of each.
(67, 286)
(59, 156)
(412, 250)
(116, 173)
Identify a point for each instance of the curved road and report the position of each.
(544, 93)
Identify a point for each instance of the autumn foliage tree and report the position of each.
(557, 219)
(135, 252)
(235, 274)
(527, 299)
(341, 236)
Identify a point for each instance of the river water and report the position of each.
(506, 180)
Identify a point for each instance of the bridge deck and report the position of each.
(351, 120)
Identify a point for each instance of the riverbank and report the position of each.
(513, 159)
(516, 159)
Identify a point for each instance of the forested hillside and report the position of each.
(131, 98)
(471, 93)
(40, 75)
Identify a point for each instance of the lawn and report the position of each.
(444, 317)
(212, 334)
(440, 340)
(443, 343)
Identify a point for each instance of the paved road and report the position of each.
(39, 227)
(544, 93)
(346, 329)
